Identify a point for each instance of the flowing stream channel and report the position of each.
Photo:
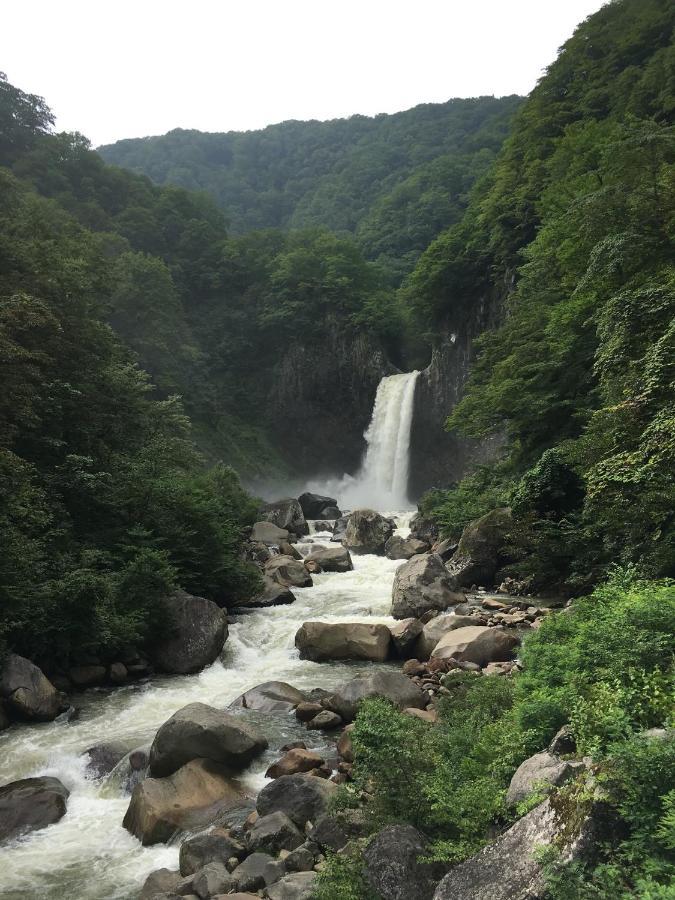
(88, 855)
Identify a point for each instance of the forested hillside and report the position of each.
(577, 218)
(393, 181)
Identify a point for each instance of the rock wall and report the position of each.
(322, 398)
(438, 458)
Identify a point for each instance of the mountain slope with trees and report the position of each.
(393, 181)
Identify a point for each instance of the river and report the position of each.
(88, 855)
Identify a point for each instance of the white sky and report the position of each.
(127, 68)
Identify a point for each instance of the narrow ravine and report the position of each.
(88, 855)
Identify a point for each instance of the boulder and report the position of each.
(302, 798)
(509, 867)
(477, 644)
(27, 692)
(330, 513)
(313, 505)
(213, 879)
(392, 867)
(250, 874)
(344, 744)
(445, 549)
(563, 742)
(540, 773)
(197, 632)
(478, 555)
(434, 630)
(271, 696)
(30, 804)
(308, 710)
(268, 534)
(294, 886)
(286, 514)
(404, 635)
(5, 721)
(189, 799)
(273, 833)
(105, 756)
(398, 547)
(367, 532)
(328, 833)
(340, 529)
(161, 881)
(343, 640)
(393, 686)
(424, 529)
(118, 673)
(325, 721)
(420, 585)
(201, 731)
(213, 846)
(301, 859)
(87, 676)
(288, 572)
(272, 594)
(333, 559)
(294, 761)
(131, 769)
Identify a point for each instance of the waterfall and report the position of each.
(382, 481)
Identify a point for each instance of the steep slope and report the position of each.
(393, 180)
(569, 241)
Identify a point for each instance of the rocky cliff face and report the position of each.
(438, 458)
(322, 399)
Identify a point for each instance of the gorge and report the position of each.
(357, 435)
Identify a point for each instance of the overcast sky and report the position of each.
(129, 68)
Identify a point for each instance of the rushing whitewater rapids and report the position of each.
(88, 855)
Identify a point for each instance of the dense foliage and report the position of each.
(605, 666)
(577, 218)
(394, 181)
(105, 504)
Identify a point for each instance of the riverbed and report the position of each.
(88, 855)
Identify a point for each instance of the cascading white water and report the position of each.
(382, 481)
(88, 855)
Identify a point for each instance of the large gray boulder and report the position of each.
(212, 846)
(286, 514)
(250, 874)
(190, 799)
(398, 547)
(288, 572)
(424, 529)
(437, 628)
(271, 696)
(367, 532)
(294, 886)
(478, 644)
(105, 756)
(27, 692)
(393, 686)
(274, 832)
(405, 635)
(201, 731)
(30, 804)
(392, 866)
(478, 555)
(272, 594)
(343, 640)
(314, 505)
(197, 632)
(540, 773)
(509, 868)
(333, 559)
(420, 585)
(269, 534)
(303, 798)
(161, 881)
(340, 529)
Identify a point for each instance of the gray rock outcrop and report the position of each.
(393, 686)
(367, 532)
(477, 644)
(27, 692)
(420, 585)
(29, 805)
(201, 731)
(197, 633)
(343, 640)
